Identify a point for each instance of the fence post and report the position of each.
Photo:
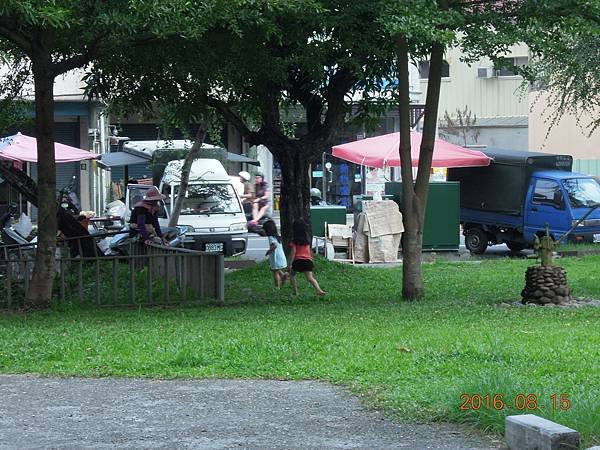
(166, 279)
(114, 280)
(80, 281)
(62, 277)
(97, 282)
(220, 279)
(132, 279)
(8, 283)
(149, 290)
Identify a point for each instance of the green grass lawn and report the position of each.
(412, 359)
(583, 247)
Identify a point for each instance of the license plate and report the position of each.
(213, 247)
(597, 238)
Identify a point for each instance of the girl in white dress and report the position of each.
(275, 253)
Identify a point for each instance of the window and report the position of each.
(209, 199)
(507, 70)
(548, 192)
(424, 70)
(582, 192)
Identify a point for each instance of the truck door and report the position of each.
(545, 203)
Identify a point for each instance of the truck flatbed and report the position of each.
(491, 218)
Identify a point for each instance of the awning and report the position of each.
(20, 147)
(147, 148)
(234, 157)
(117, 159)
(383, 151)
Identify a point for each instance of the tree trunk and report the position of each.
(414, 196)
(412, 239)
(295, 189)
(40, 288)
(185, 171)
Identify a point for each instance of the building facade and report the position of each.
(568, 135)
(488, 106)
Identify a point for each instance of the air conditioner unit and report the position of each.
(486, 72)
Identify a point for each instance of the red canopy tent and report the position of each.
(383, 151)
(23, 148)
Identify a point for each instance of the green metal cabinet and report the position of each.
(319, 214)
(442, 214)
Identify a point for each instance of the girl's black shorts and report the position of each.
(302, 265)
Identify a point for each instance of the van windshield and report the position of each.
(209, 199)
(582, 192)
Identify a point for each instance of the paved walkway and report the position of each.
(205, 414)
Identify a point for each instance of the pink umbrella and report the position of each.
(382, 151)
(24, 149)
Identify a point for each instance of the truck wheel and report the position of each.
(476, 240)
(516, 246)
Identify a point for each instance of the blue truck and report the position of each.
(511, 200)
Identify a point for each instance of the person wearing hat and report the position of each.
(316, 198)
(144, 217)
(248, 194)
(262, 195)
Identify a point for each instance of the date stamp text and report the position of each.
(520, 402)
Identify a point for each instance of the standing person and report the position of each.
(248, 194)
(262, 195)
(301, 257)
(144, 217)
(275, 253)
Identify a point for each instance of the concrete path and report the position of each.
(205, 414)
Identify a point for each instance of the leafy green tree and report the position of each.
(251, 57)
(170, 80)
(479, 28)
(317, 55)
(54, 38)
(567, 72)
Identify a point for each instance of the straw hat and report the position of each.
(153, 194)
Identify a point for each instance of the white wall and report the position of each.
(567, 136)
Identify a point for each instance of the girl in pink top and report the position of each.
(301, 257)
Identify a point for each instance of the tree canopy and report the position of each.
(337, 60)
(53, 38)
(567, 72)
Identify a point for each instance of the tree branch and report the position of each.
(339, 85)
(9, 31)
(234, 119)
(313, 104)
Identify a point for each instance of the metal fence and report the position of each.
(149, 275)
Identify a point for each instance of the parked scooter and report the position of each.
(118, 245)
(115, 212)
(16, 247)
(10, 235)
(68, 200)
(112, 219)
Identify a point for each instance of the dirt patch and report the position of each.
(71, 413)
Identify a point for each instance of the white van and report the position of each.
(211, 210)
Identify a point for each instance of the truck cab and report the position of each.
(561, 199)
(511, 200)
(211, 210)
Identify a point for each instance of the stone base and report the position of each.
(530, 432)
(545, 285)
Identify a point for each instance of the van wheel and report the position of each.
(476, 240)
(516, 246)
